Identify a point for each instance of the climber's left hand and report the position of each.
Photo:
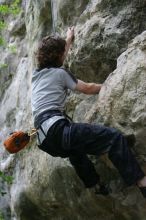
(70, 34)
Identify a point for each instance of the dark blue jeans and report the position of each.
(77, 140)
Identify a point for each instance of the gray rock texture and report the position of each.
(109, 47)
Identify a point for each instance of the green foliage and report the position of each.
(12, 49)
(8, 179)
(1, 216)
(15, 9)
(3, 65)
(2, 25)
(2, 41)
(5, 10)
(10, 9)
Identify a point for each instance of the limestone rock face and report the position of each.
(122, 102)
(44, 187)
(103, 30)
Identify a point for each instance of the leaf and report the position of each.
(6, 178)
(2, 41)
(3, 65)
(12, 9)
(4, 9)
(12, 48)
(2, 25)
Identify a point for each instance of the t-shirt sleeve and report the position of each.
(69, 79)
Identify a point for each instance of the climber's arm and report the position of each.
(88, 88)
(69, 39)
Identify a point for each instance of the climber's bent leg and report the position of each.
(123, 159)
(85, 138)
(85, 169)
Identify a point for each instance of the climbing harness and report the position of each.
(18, 140)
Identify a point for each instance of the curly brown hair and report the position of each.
(50, 51)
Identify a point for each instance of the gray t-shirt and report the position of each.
(49, 89)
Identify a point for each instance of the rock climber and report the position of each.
(59, 136)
